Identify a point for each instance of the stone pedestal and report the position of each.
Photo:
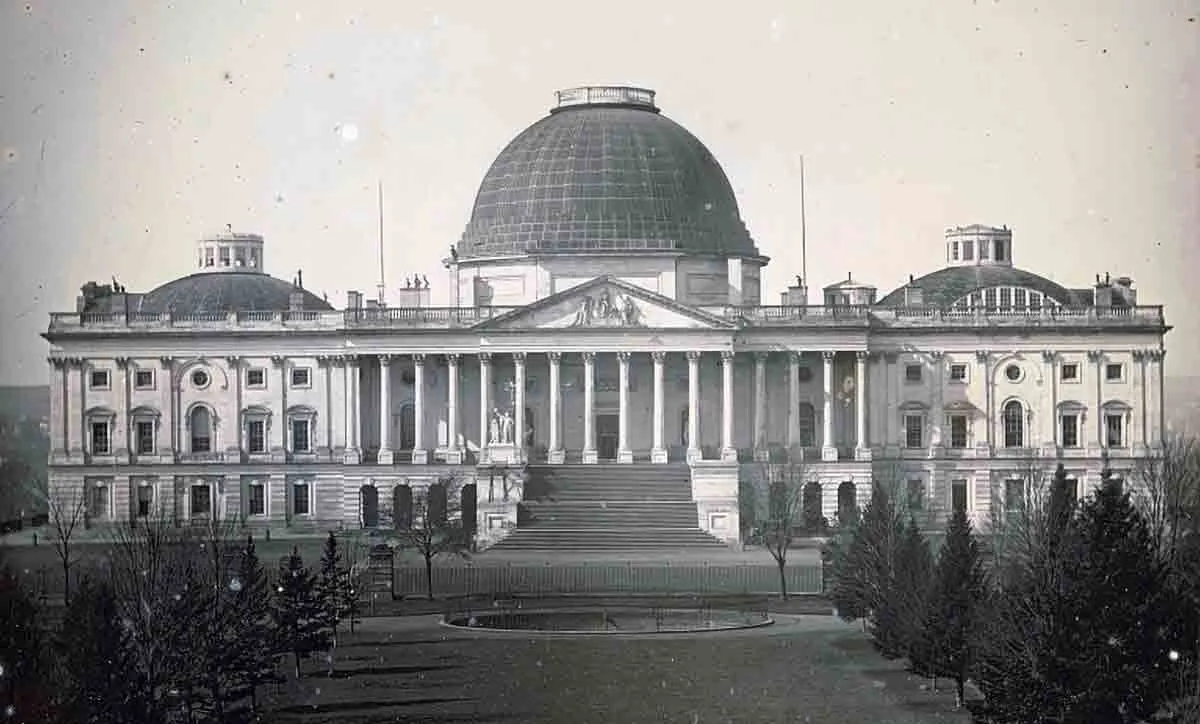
(590, 457)
(624, 457)
(503, 454)
(729, 455)
(762, 455)
(694, 454)
(385, 457)
(351, 457)
(556, 457)
(420, 457)
(829, 454)
(862, 454)
(658, 456)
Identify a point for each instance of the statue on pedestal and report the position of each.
(494, 428)
(506, 427)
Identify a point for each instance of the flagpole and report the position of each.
(803, 229)
(382, 287)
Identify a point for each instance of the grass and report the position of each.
(410, 669)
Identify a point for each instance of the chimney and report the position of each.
(796, 295)
(353, 300)
(1103, 294)
(1124, 287)
(734, 279)
(300, 278)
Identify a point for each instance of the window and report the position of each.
(958, 373)
(200, 379)
(989, 298)
(200, 422)
(300, 499)
(1014, 424)
(916, 494)
(999, 255)
(968, 250)
(101, 445)
(983, 249)
(1069, 430)
(804, 374)
(954, 251)
(98, 380)
(1070, 372)
(99, 502)
(300, 377)
(1020, 298)
(1114, 372)
(914, 431)
(806, 426)
(912, 373)
(958, 495)
(256, 378)
(256, 499)
(145, 500)
(1013, 373)
(300, 441)
(256, 436)
(201, 500)
(1113, 429)
(1006, 299)
(958, 431)
(1014, 495)
(144, 433)
(143, 379)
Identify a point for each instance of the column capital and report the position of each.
(794, 357)
(936, 355)
(861, 357)
(58, 362)
(418, 360)
(279, 360)
(658, 357)
(982, 355)
(623, 357)
(452, 359)
(588, 357)
(233, 361)
(554, 357)
(827, 355)
(351, 360)
(485, 358)
(384, 359)
(761, 357)
(693, 356)
(726, 356)
(1049, 355)
(166, 361)
(518, 358)
(121, 362)
(326, 360)
(1156, 355)
(1095, 355)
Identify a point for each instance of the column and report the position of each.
(58, 409)
(556, 455)
(984, 446)
(658, 453)
(693, 432)
(1049, 413)
(1157, 412)
(420, 455)
(453, 451)
(485, 406)
(760, 406)
(164, 436)
(728, 451)
(279, 429)
(519, 403)
(385, 410)
(235, 446)
(939, 408)
(892, 395)
(589, 407)
(350, 375)
(829, 452)
(793, 418)
(624, 454)
(1098, 442)
(862, 449)
(121, 444)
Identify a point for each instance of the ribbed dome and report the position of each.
(221, 293)
(605, 172)
(950, 284)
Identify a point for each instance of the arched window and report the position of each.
(806, 425)
(201, 427)
(1014, 424)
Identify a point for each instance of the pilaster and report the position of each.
(1096, 442)
(938, 415)
(233, 451)
(1049, 412)
(279, 432)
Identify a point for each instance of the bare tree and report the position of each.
(68, 514)
(1168, 492)
(436, 528)
(775, 495)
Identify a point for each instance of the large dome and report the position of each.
(605, 172)
(225, 292)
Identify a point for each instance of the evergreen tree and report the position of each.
(21, 647)
(299, 617)
(863, 571)
(331, 587)
(254, 651)
(953, 610)
(898, 620)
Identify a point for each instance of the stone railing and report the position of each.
(750, 316)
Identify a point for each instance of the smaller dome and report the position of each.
(946, 286)
(231, 291)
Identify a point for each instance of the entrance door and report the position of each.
(370, 506)
(607, 431)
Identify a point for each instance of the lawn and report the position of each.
(804, 669)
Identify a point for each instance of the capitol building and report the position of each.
(607, 331)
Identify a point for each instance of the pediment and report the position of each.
(606, 303)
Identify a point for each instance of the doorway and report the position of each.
(369, 497)
(607, 431)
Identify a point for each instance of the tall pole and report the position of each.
(803, 229)
(381, 286)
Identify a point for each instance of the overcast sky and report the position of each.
(129, 129)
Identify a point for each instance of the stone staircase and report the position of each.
(608, 507)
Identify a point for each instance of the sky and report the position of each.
(129, 129)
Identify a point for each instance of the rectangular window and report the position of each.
(256, 378)
(916, 494)
(201, 501)
(300, 501)
(98, 380)
(958, 431)
(201, 443)
(968, 249)
(1114, 372)
(1070, 372)
(1005, 299)
(100, 441)
(143, 379)
(989, 299)
(912, 373)
(999, 250)
(99, 507)
(256, 436)
(1020, 299)
(958, 373)
(300, 436)
(983, 250)
(1035, 302)
(144, 430)
(1113, 429)
(145, 500)
(958, 495)
(954, 251)
(1069, 430)
(300, 377)
(914, 431)
(1014, 495)
(256, 499)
